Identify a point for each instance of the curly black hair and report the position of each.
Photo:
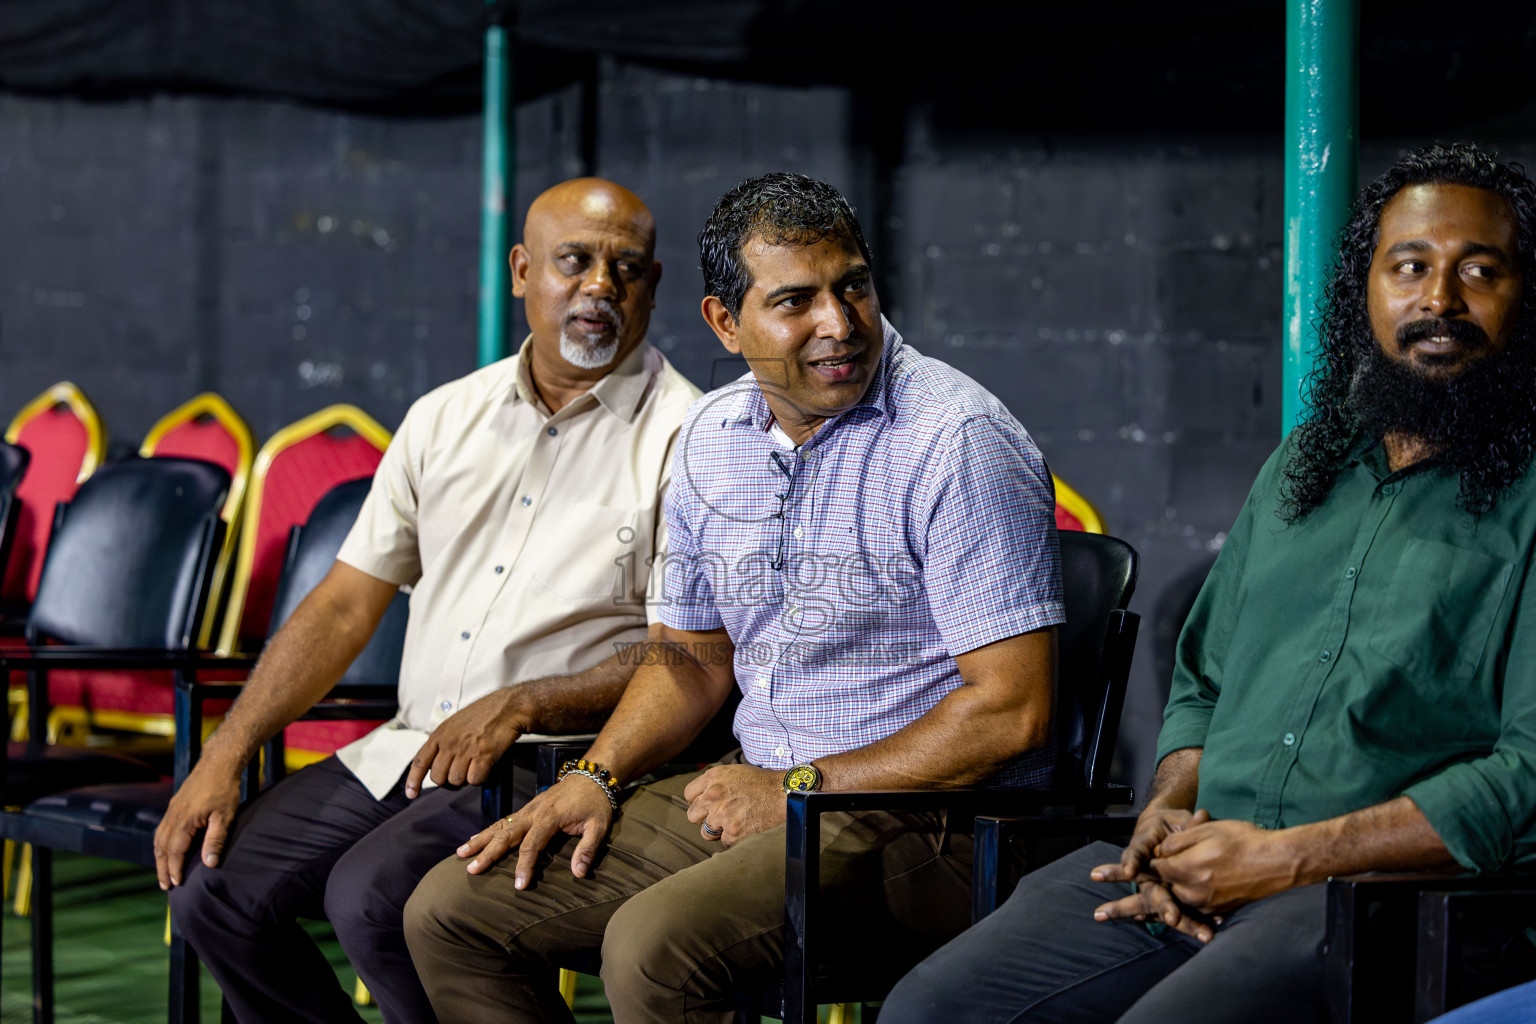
(1490, 462)
(783, 209)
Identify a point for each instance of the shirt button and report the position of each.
(1324, 656)
(499, 568)
(762, 684)
(527, 500)
(553, 431)
(1389, 489)
(780, 751)
(1349, 573)
(1289, 739)
(799, 533)
(464, 635)
(446, 705)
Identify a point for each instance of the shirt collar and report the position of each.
(743, 402)
(619, 390)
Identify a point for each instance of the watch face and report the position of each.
(802, 778)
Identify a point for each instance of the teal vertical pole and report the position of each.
(1321, 167)
(495, 196)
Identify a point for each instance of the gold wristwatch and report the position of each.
(802, 778)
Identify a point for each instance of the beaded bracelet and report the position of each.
(597, 773)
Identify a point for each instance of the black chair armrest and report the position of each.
(1472, 943)
(993, 876)
(1374, 932)
(803, 846)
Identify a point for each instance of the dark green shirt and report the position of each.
(1383, 645)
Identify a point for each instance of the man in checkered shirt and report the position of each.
(863, 542)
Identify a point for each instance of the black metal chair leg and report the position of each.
(42, 935)
(185, 978)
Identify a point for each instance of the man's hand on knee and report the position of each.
(208, 799)
(467, 746)
(732, 801)
(575, 805)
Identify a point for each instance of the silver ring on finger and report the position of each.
(713, 833)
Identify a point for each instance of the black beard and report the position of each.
(1449, 412)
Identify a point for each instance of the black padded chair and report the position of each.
(127, 568)
(373, 676)
(117, 821)
(1096, 645)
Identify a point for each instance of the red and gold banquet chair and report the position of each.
(205, 428)
(1075, 512)
(63, 433)
(293, 470)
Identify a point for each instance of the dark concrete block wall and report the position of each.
(1121, 294)
(285, 256)
(1123, 298)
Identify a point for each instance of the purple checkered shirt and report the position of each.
(916, 526)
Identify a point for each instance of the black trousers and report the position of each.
(319, 845)
(1042, 957)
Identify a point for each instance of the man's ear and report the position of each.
(721, 322)
(520, 261)
(655, 280)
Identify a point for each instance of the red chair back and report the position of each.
(208, 428)
(1075, 512)
(293, 471)
(64, 435)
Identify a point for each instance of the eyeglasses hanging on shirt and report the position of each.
(781, 558)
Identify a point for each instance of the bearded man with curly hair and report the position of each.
(1355, 688)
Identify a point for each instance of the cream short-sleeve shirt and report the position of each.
(526, 538)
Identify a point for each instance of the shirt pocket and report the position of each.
(599, 553)
(1440, 609)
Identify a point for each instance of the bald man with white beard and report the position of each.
(504, 502)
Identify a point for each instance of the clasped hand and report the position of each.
(1189, 871)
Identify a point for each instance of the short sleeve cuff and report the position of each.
(1469, 820)
(398, 568)
(968, 636)
(697, 619)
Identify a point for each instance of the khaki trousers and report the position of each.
(681, 923)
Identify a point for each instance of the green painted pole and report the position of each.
(1321, 167)
(496, 190)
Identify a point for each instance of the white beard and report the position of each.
(587, 355)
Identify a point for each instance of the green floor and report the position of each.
(110, 957)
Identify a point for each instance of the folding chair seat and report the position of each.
(206, 428)
(117, 820)
(297, 465)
